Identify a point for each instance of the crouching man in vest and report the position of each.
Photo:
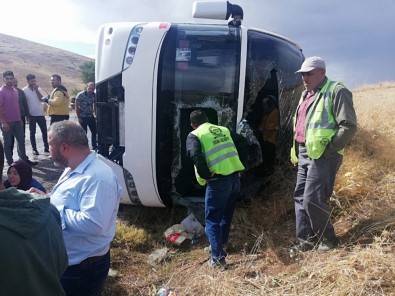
(324, 123)
(217, 165)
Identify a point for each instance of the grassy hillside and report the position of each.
(24, 57)
(363, 210)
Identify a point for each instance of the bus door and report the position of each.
(198, 68)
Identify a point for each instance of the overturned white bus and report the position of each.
(151, 76)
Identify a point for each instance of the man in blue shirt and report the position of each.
(87, 196)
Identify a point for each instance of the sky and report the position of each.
(356, 38)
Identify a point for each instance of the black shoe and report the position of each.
(46, 150)
(35, 152)
(31, 163)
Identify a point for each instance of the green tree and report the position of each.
(88, 71)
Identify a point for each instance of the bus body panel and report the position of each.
(119, 172)
(140, 113)
(243, 58)
(110, 49)
(176, 68)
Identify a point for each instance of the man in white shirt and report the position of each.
(36, 111)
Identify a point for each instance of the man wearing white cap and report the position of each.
(324, 123)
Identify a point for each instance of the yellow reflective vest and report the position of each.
(219, 150)
(321, 124)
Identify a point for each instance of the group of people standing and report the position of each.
(56, 243)
(324, 124)
(29, 105)
(19, 106)
(59, 243)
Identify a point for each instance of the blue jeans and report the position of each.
(91, 123)
(16, 130)
(220, 203)
(86, 278)
(314, 186)
(42, 123)
(24, 130)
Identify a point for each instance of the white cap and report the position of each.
(311, 64)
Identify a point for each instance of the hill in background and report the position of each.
(23, 57)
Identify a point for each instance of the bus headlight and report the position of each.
(132, 46)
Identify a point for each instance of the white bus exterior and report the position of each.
(151, 76)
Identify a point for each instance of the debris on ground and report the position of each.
(177, 234)
(190, 228)
(157, 256)
(166, 292)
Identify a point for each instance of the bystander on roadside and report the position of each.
(34, 94)
(87, 196)
(20, 176)
(85, 108)
(58, 102)
(33, 253)
(324, 123)
(24, 108)
(10, 117)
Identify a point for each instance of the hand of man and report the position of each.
(37, 191)
(5, 127)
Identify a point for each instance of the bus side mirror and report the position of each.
(218, 10)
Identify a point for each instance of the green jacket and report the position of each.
(32, 250)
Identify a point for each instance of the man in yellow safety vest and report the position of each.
(324, 123)
(217, 165)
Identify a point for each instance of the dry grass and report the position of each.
(363, 208)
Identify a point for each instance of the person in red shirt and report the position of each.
(10, 118)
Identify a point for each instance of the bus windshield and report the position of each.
(198, 68)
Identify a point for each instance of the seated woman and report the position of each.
(20, 175)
